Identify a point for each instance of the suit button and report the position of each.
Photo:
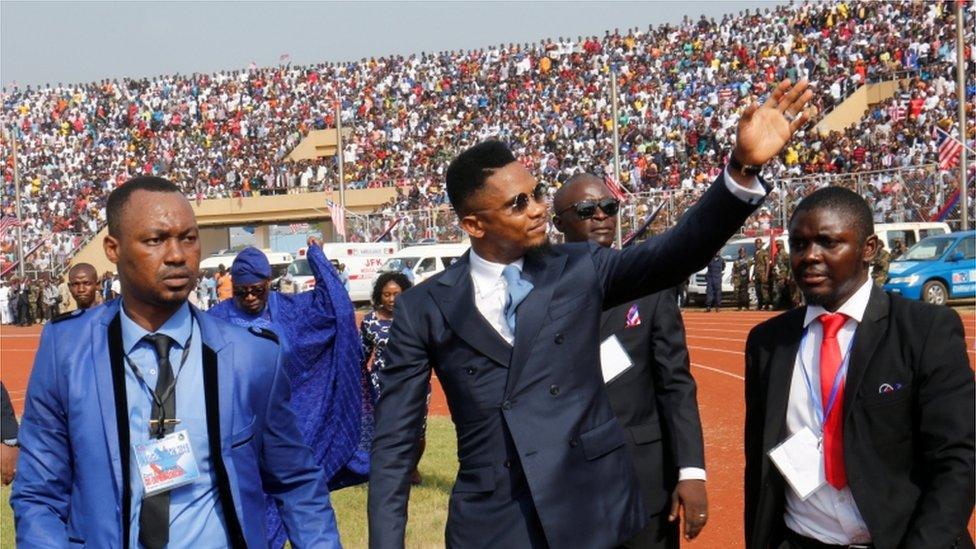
(506, 405)
(508, 464)
(470, 371)
(574, 442)
(559, 339)
(554, 390)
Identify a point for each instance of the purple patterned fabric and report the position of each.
(323, 354)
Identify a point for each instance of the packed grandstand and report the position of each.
(681, 88)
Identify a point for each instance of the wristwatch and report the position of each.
(747, 169)
(10, 442)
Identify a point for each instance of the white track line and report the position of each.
(717, 338)
(717, 370)
(739, 353)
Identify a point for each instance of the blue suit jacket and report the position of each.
(543, 459)
(72, 485)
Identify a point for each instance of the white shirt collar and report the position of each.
(486, 274)
(854, 307)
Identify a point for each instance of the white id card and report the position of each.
(800, 460)
(614, 359)
(165, 463)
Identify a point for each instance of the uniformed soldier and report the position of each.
(760, 275)
(740, 280)
(33, 302)
(879, 267)
(713, 283)
(780, 276)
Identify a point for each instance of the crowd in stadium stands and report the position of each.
(680, 90)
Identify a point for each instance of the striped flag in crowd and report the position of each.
(616, 190)
(949, 148)
(389, 228)
(7, 222)
(897, 112)
(298, 228)
(338, 217)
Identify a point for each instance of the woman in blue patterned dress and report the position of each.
(375, 329)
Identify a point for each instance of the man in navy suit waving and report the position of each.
(512, 330)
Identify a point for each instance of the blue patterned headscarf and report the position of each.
(323, 353)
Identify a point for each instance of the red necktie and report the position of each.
(833, 427)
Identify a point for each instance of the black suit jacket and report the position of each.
(542, 457)
(8, 421)
(908, 453)
(655, 399)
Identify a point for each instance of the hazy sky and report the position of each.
(85, 41)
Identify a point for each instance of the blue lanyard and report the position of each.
(824, 411)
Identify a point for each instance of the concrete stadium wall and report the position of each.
(287, 208)
(215, 216)
(852, 109)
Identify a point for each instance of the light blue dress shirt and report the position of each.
(195, 516)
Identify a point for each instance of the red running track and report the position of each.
(716, 342)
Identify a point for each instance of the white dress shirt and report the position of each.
(491, 293)
(828, 514)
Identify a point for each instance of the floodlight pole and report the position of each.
(616, 146)
(339, 155)
(20, 218)
(961, 97)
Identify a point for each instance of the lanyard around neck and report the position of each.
(822, 411)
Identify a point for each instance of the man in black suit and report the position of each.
(9, 449)
(649, 383)
(512, 330)
(859, 406)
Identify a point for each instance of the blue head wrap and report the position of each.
(250, 267)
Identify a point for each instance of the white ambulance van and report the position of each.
(362, 260)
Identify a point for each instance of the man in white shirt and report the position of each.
(512, 330)
(859, 406)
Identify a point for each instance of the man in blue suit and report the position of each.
(512, 330)
(112, 385)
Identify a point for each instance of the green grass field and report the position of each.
(428, 502)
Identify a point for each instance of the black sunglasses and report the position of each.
(586, 209)
(244, 291)
(520, 202)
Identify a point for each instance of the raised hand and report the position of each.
(764, 131)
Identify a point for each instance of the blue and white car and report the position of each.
(937, 269)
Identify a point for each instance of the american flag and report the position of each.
(338, 217)
(7, 222)
(284, 58)
(949, 149)
(298, 227)
(616, 190)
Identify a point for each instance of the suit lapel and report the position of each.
(108, 364)
(869, 333)
(781, 366)
(218, 390)
(115, 407)
(614, 319)
(454, 295)
(532, 311)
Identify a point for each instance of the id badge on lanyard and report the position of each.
(800, 458)
(166, 463)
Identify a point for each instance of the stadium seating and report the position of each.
(681, 88)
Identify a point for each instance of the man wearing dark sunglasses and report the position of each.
(511, 330)
(322, 354)
(648, 379)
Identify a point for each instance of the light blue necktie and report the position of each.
(518, 288)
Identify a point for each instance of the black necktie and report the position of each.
(154, 516)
